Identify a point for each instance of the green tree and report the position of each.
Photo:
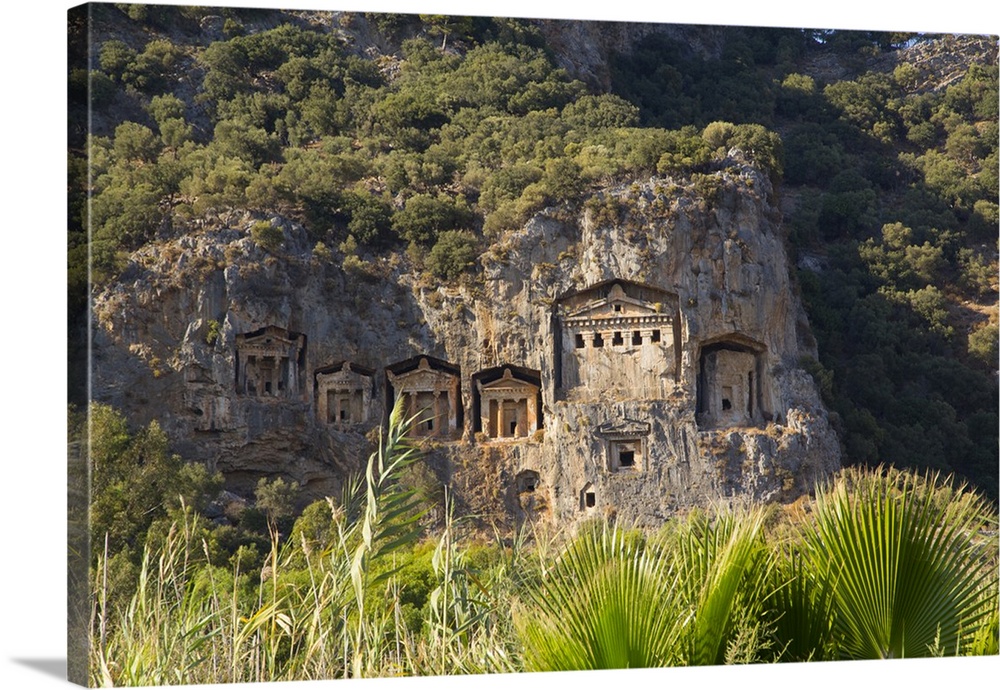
(116, 58)
(135, 481)
(454, 253)
(135, 142)
(165, 107)
(424, 217)
(277, 499)
(983, 344)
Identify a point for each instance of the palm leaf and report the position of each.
(608, 603)
(723, 567)
(898, 554)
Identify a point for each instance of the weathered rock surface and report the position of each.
(685, 281)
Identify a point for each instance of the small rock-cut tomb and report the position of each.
(270, 362)
(431, 392)
(509, 406)
(625, 445)
(729, 384)
(343, 394)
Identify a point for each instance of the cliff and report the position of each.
(631, 356)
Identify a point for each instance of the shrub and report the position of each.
(322, 253)
(983, 344)
(214, 330)
(266, 235)
(425, 216)
(454, 252)
(116, 58)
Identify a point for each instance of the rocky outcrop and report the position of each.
(585, 49)
(669, 300)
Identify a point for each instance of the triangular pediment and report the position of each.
(270, 336)
(345, 376)
(423, 378)
(508, 381)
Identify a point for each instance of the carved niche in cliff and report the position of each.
(430, 389)
(343, 394)
(731, 383)
(625, 445)
(507, 405)
(270, 363)
(618, 338)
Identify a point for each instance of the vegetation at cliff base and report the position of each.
(883, 564)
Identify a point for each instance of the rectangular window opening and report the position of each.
(656, 336)
(618, 307)
(598, 340)
(626, 458)
(617, 339)
(579, 341)
(636, 338)
(590, 499)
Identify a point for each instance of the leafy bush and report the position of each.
(265, 235)
(424, 217)
(983, 344)
(454, 253)
(116, 58)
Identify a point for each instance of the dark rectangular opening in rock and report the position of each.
(636, 338)
(617, 339)
(590, 499)
(626, 458)
(598, 340)
(579, 341)
(656, 336)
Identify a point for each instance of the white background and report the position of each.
(32, 373)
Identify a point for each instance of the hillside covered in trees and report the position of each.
(425, 138)
(417, 144)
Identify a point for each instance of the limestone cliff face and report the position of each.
(631, 357)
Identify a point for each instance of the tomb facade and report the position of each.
(617, 338)
(270, 363)
(431, 391)
(730, 385)
(509, 407)
(343, 394)
(625, 445)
